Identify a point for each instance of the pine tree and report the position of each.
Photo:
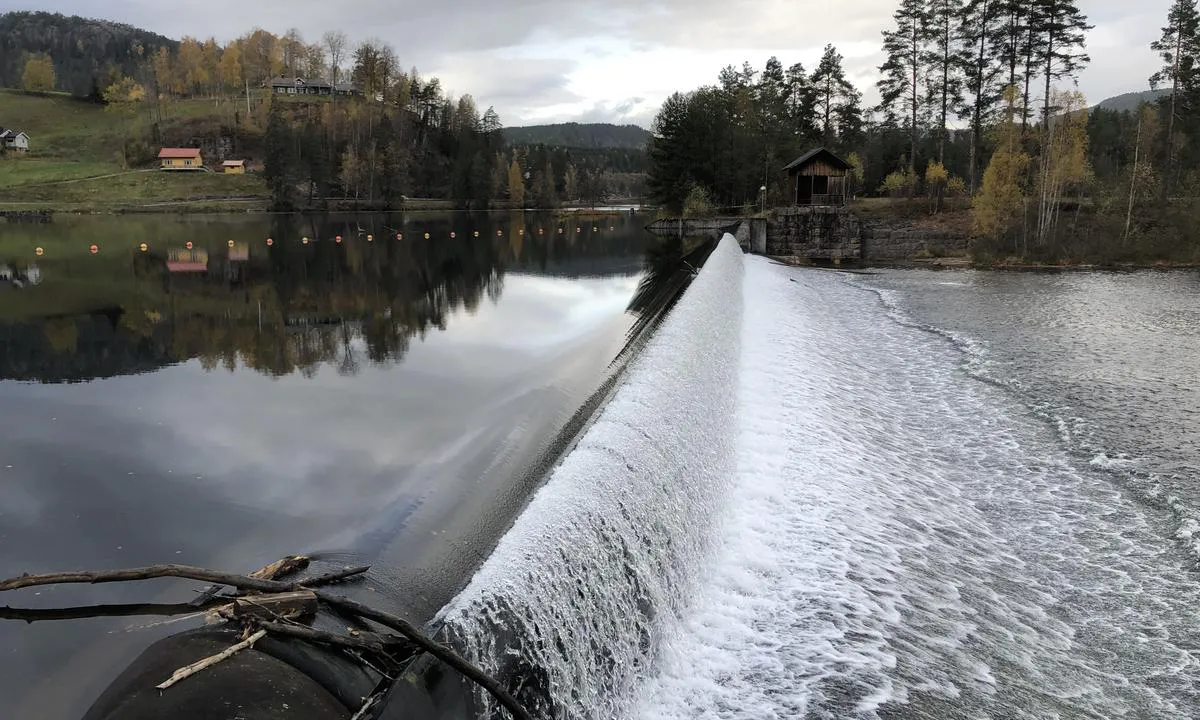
(901, 86)
(983, 37)
(279, 161)
(944, 57)
(1014, 46)
(1179, 48)
(1059, 28)
(834, 94)
(801, 102)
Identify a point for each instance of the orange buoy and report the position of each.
(95, 249)
(451, 233)
(270, 242)
(304, 240)
(337, 238)
(399, 236)
(39, 252)
(560, 231)
(230, 243)
(143, 247)
(476, 233)
(499, 233)
(188, 246)
(370, 238)
(426, 236)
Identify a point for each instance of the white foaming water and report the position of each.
(614, 541)
(810, 510)
(904, 541)
(1076, 433)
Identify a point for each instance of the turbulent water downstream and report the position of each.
(906, 494)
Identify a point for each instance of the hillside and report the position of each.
(579, 135)
(1128, 102)
(74, 140)
(82, 48)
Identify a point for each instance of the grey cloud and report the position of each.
(477, 43)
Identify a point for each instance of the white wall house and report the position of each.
(14, 140)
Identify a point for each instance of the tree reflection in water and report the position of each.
(295, 306)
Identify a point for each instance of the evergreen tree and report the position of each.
(903, 99)
(1058, 28)
(836, 98)
(983, 36)
(279, 161)
(944, 57)
(1178, 48)
(801, 103)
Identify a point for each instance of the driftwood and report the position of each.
(32, 615)
(297, 603)
(255, 584)
(334, 577)
(274, 571)
(282, 568)
(362, 641)
(186, 672)
(187, 572)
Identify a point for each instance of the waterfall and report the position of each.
(570, 603)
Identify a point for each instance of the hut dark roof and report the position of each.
(814, 154)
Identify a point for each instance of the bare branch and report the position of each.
(186, 672)
(187, 572)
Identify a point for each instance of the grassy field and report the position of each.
(132, 191)
(72, 140)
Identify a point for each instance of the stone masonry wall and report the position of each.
(817, 233)
(880, 243)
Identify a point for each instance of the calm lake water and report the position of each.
(389, 398)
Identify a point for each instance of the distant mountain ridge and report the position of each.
(1128, 102)
(579, 135)
(83, 48)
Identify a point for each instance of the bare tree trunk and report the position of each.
(1137, 147)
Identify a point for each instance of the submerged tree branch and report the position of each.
(441, 652)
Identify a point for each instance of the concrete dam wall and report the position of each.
(822, 234)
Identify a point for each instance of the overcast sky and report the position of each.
(613, 61)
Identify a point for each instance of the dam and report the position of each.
(817, 494)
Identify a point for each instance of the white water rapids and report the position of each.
(797, 506)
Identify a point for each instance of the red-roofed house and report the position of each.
(181, 159)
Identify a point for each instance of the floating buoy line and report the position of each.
(94, 248)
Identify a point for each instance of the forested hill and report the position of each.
(579, 135)
(1129, 102)
(83, 49)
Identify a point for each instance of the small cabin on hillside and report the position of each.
(181, 159)
(818, 177)
(234, 167)
(302, 86)
(13, 140)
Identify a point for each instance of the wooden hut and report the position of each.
(818, 177)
